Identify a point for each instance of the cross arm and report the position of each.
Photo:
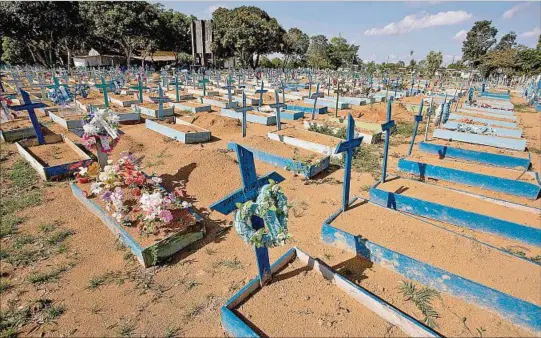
(229, 203)
(350, 144)
(388, 125)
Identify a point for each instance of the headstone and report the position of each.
(29, 106)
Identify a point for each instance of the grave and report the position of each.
(174, 128)
(220, 103)
(322, 102)
(488, 140)
(184, 229)
(52, 156)
(254, 116)
(305, 108)
(269, 275)
(298, 161)
(308, 140)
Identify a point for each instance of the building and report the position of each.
(158, 58)
(95, 59)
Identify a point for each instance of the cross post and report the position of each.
(315, 101)
(249, 191)
(29, 106)
(338, 92)
(428, 115)
(261, 92)
(387, 126)
(310, 86)
(418, 118)
(160, 99)
(277, 106)
(204, 83)
(348, 147)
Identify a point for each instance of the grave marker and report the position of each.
(140, 88)
(104, 86)
(428, 115)
(418, 119)
(386, 127)
(315, 101)
(261, 92)
(244, 109)
(348, 147)
(160, 99)
(29, 106)
(249, 191)
(229, 87)
(277, 106)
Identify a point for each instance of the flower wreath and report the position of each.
(60, 96)
(98, 125)
(271, 206)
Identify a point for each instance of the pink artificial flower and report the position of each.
(165, 216)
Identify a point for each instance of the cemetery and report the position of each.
(195, 187)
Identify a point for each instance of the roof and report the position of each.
(159, 55)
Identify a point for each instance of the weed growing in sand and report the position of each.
(154, 164)
(534, 150)
(192, 284)
(326, 130)
(210, 251)
(22, 175)
(171, 332)
(537, 259)
(233, 264)
(126, 328)
(481, 330)
(9, 224)
(422, 298)
(163, 154)
(45, 277)
(194, 311)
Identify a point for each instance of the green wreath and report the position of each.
(271, 206)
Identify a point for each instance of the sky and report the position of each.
(392, 29)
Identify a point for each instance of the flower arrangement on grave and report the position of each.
(98, 126)
(82, 89)
(4, 102)
(135, 199)
(270, 205)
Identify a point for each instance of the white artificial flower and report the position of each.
(95, 188)
(90, 129)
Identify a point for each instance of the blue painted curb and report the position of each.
(187, 138)
(500, 132)
(497, 160)
(509, 307)
(505, 185)
(307, 170)
(291, 115)
(236, 327)
(487, 140)
(260, 119)
(306, 109)
(455, 216)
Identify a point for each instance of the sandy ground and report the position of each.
(183, 296)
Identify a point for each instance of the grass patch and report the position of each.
(12, 319)
(126, 328)
(59, 236)
(5, 285)
(366, 159)
(404, 129)
(38, 278)
(326, 130)
(12, 204)
(106, 278)
(22, 175)
(8, 225)
(534, 150)
(233, 264)
(48, 227)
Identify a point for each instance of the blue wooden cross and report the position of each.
(249, 191)
(418, 119)
(348, 147)
(104, 86)
(338, 92)
(243, 110)
(204, 83)
(310, 87)
(29, 106)
(140, 88)
(315, 96)
(386, 127)
(277, 106)
(42, 85)
(229, 87)
(16, 80)
(283, 89)
(160, 99)
(396, 86)
(177, 83)
(261, 92)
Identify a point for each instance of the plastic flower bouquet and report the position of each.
(98, 126)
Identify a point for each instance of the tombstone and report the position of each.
(386, 127)
(29, 106)
(249, 191)
(278, 106)
(348, 147)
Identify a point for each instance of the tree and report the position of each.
(433, 62)
(277, 63)
(317, 54)
(296, 44)
(248, 32)
(174, 33)
(401, 64)
(265, 62)
(127, 26)
(412, 64)
(539, 43)
(528, 60)
(341, 53)
(504, 60)
(371, 68)
(458, 65)
(57, 30)
(478, 41)
(507, 41)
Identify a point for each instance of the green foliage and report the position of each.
(8, 225)
(529, 60)
(5, 285)
(422, 299)
(246, 32)
(433, 62)
(478, 41)
(507, 41)
(45, 277)
(295, 45)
